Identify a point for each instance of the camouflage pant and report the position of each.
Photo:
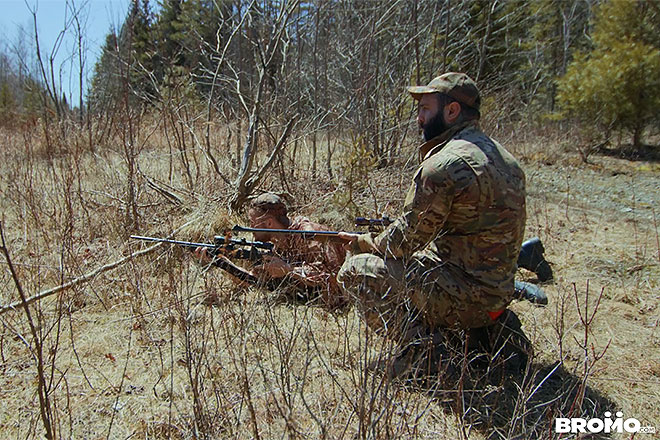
(396, 299)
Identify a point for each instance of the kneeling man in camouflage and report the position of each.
(448, 261)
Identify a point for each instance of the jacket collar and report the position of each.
(434, 145)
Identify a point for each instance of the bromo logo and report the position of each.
(607, 425)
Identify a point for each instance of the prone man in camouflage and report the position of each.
(448, 261)
(306, 268)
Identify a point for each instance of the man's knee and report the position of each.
(370, 271)
(359, 266)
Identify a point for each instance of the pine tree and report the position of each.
(128, 63)
(617, 84)
(7, 102)
(169, 31)
(105, 82)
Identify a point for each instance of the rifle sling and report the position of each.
(228, 266)
(273, 284)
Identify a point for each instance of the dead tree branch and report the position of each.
(83, 279)
(44, 402)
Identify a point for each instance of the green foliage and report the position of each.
(493, 26)
(106, 75)
(170, 32)
(356, 165)
(514, 49)
(32, 97)
(179, 95)
(616, 86)
(187, 34)
(7, 102)
(22, 95)
(349, 62)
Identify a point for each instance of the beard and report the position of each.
(434, 127)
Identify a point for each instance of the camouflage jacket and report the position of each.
(465, 210)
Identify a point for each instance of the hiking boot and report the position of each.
(509, 346)
(530, 292)
(423, 359)
(501, 349)
(531, 258)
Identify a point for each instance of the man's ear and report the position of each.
(451, 112)
(273, 223)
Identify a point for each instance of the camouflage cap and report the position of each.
(269, 202)
(457, 85)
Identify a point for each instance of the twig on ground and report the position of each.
(87, 277)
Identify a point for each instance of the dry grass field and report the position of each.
(157, 347)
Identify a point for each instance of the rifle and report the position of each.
(223, 247)
(322, 236)
(373, 223)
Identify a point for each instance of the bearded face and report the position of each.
(434, 126)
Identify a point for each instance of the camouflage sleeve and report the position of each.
(428, 204)
(316, 263)
(310, 250)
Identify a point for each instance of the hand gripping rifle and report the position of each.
(222, 249)
(522, 290)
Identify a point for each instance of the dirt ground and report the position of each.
(160, 348)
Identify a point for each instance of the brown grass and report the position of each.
(137, 352)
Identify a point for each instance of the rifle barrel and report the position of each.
(282, 231)
(180, 243)
(219, 241)
(319, 235)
